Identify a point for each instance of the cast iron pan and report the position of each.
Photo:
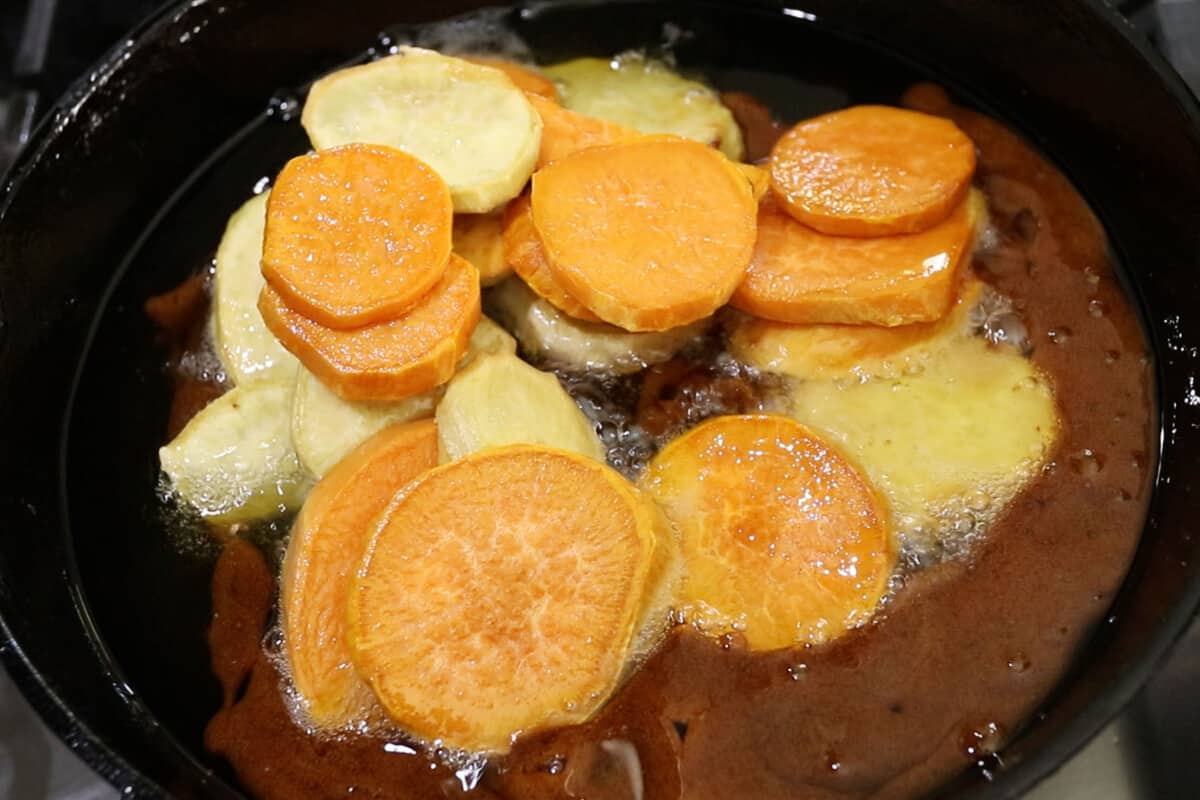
(101, 621)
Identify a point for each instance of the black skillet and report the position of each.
(101, 619)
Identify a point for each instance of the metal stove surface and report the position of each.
(1151, 751)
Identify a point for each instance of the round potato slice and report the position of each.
(500, 400)
(548, 334)
(648, 235)
(234, 461)
(504, 592)
(326, 428)
(325, 548)
(872, 171)
(782, 539)
(247, 350)
(648, 96)
(469, 122)
(950, 443)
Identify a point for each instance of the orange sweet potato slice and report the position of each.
(782, 539)
(565, 132)
(326, 547)
(872, 171)
(504, 592)
(759, 178)
(391, 360)
(799, 275)
(356, 234)
(650, 234)
(525, 78)
(523, 252)
(812, 352)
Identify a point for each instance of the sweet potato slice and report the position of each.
(500, 400)
(548, 335)
(648, 95)
(799, 275)
(392, 360)
(648, 235)
(479, 238)
(872, 171)
(356, 235)
(782, 539)
(326, 547)
(830, 351)
(760, 180)
(325, 428)
(523, 251)
(504, 592)
(247, 350)
(950, 444)
(565, 132)
(234, 461)
(526, 79)
(468, 122)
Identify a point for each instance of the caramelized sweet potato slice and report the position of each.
(504, 592)
(759, 178)
(523, 251)
(801, 276)
(830, 351)
(526, 79)
(648, 235)
(565, 132)
(326, 547)
(392, 360)
(872, 171)
(782, 539)
(356, 235)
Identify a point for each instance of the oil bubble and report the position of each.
(1087, 463)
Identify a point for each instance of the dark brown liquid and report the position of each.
(958, 660)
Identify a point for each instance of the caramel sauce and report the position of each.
(958, 660)
(181, 316)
